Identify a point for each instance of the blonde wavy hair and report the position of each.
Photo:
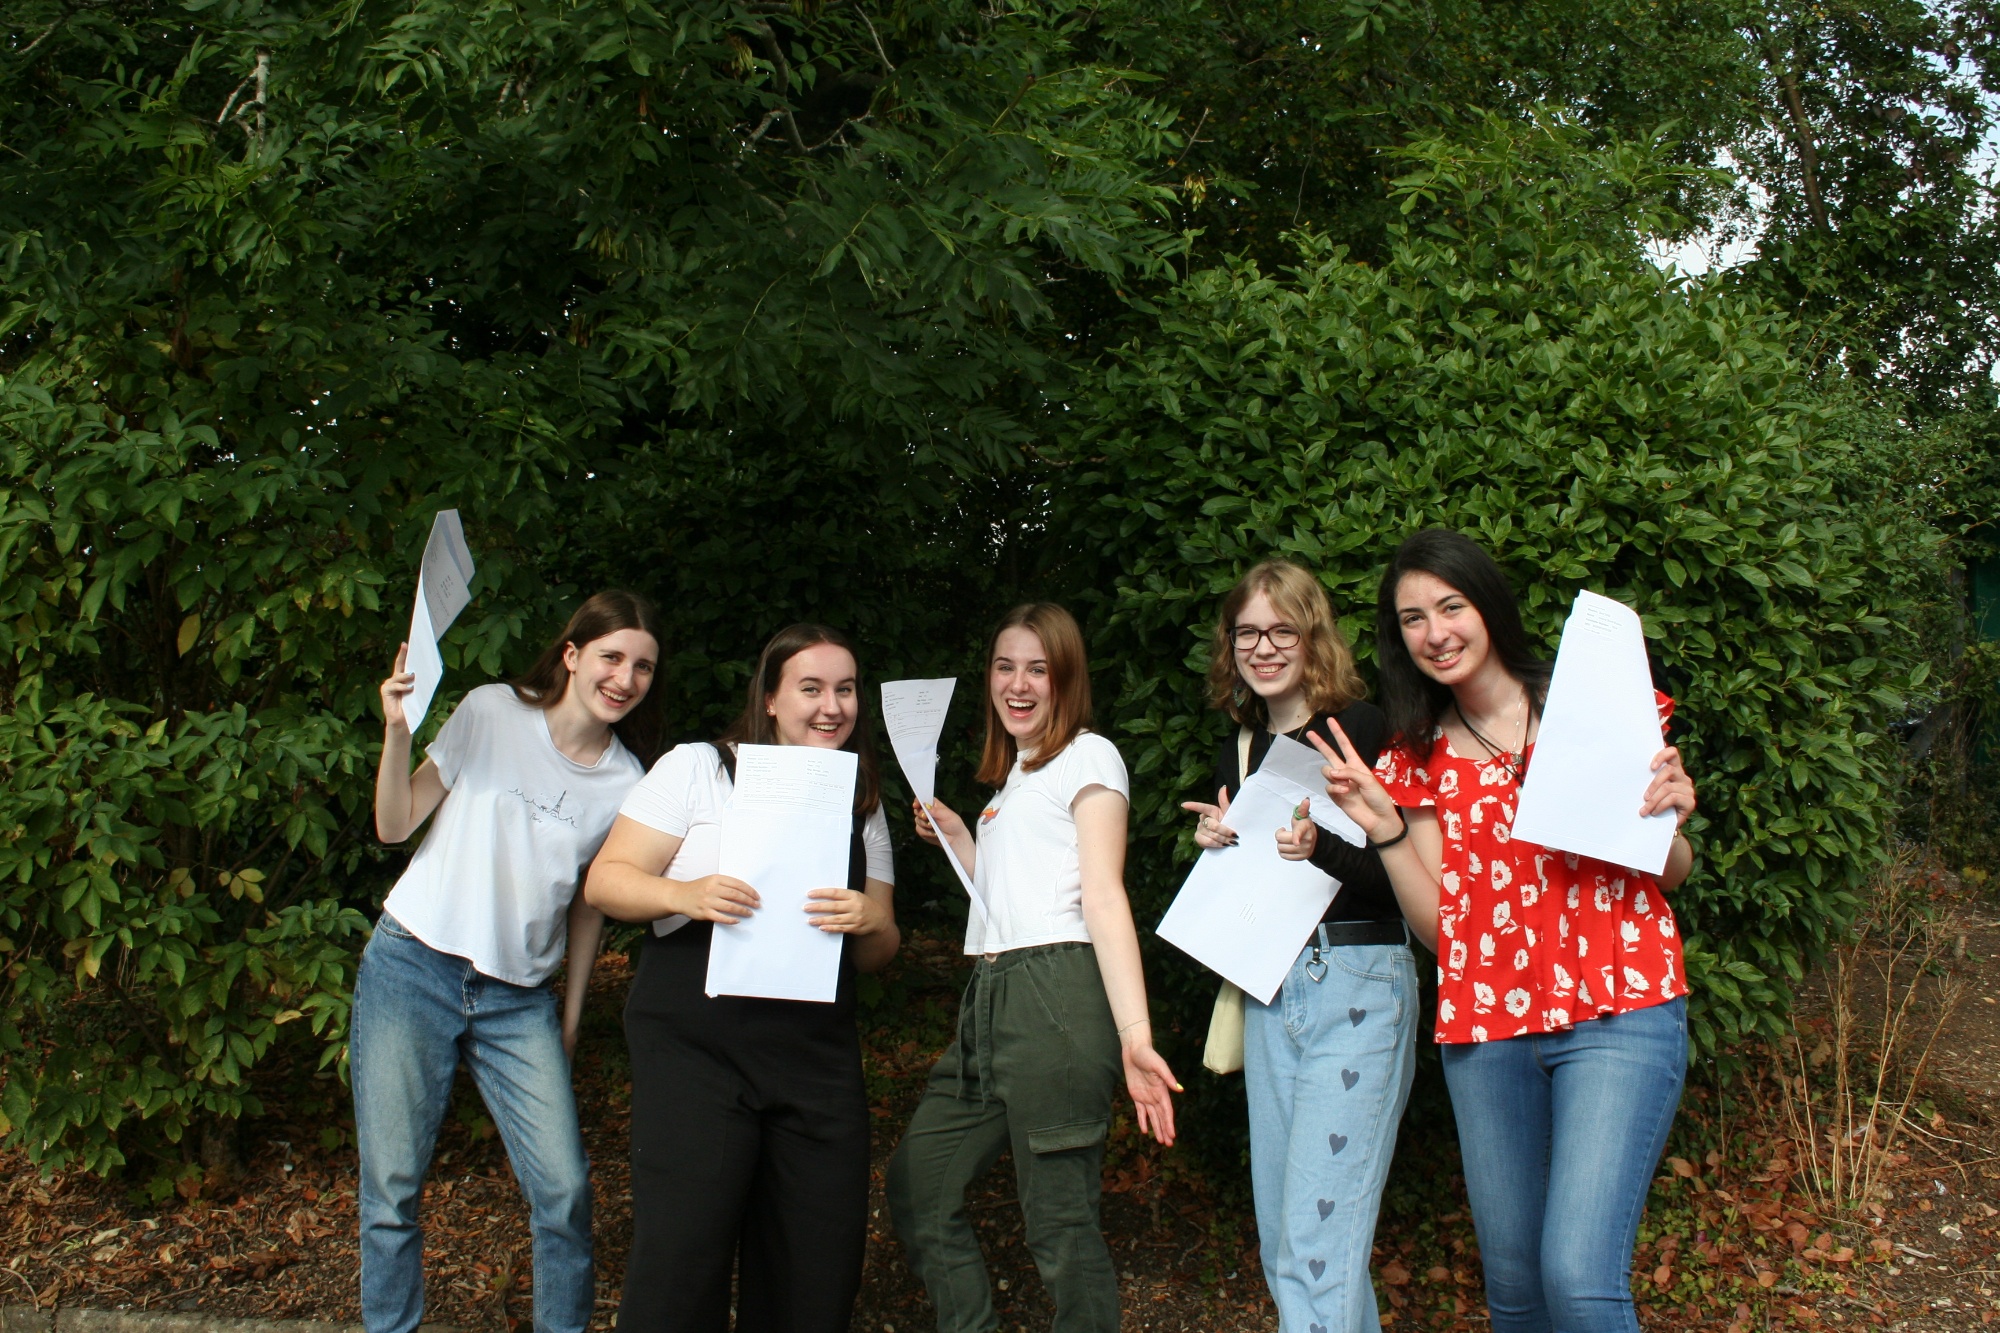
(1331, 680)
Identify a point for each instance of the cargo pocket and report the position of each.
(1063, 1138)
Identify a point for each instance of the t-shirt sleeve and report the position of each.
(660, 801)
(875, 838)
(1399, 771)
(460, 733)
(1092, 761)
(1666, 707)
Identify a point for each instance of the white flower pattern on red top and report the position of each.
(1558, 954)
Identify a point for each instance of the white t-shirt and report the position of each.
(495, 875)
(1028, 869)
(685, 795)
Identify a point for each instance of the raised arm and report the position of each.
(1107, 913)
(1414, 862)
(403, 800)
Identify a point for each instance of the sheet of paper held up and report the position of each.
(787, 830)
(443, 589)
(914, 712)
(1304, 767)
(1593, 756)
(1245, 911)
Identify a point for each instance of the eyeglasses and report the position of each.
(1282, 637)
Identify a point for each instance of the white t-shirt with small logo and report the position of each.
(685, 795)
(1028, 869)
(494, 878)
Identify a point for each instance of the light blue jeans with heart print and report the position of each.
(1327, 1066)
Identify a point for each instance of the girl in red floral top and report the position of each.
(1561, 991)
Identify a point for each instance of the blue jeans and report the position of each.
(417, 1013)
(1560, 1135)
(1327, 1066)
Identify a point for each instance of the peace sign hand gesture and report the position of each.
(1354, 788)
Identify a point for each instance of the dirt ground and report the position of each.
(1731, 1243)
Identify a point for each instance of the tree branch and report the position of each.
(1795, 109)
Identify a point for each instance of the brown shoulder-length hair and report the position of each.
(754, 726)
(1069, 690)
(1331, 680)
(604, 613)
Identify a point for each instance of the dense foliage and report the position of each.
(891, 315)
(1508, 373)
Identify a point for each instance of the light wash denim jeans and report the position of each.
(1560, 1135)
(1327, 1066)
(417, 1013)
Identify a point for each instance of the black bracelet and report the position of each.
(1384, 846)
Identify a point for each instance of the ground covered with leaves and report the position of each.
(1747, 1228)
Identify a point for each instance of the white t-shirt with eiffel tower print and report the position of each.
(493, 880)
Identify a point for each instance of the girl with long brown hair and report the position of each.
(525, 780)
(1055, 1015)
(1327, 1064)
(749, 1115)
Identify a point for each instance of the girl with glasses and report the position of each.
(1328, 1063)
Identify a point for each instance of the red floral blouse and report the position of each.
(1529, 939)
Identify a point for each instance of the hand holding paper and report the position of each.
(1592, 770)
(443, 589)
(913, 711)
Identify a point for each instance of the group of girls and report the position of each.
(1560, 1004)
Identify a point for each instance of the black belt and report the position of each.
(1333, 934)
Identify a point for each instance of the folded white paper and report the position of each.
(443, 589)
(913, 712)
(1593, 756)
(788, 829)
(1245, 911)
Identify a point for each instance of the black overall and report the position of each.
(749, 1145)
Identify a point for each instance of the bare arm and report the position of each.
(1107, 914)
(1414, 863)
(627, 881)
(403, 800)
(586, 932)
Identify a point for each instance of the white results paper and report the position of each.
(1245, 911)
(443, 589)
(914, 713)
(1593, 756)
(787, 830)
(1304, 767)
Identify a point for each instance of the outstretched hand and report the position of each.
(1152, 1086)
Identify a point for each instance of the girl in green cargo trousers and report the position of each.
(1056, 1009)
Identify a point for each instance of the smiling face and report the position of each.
(1444, 632)
(611, 674)
(817, 699)
(1276, 674)
(1018, 683)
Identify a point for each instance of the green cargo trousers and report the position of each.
(1034, 1070)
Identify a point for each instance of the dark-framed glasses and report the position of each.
(1282, 637)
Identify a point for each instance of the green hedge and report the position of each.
(1516, 371)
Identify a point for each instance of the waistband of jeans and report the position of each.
(1337, 934)
(1028, 956)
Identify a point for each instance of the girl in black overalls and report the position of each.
(749, 1116)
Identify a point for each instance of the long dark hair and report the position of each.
(604, 613)
(1412, 701)
(754, 726)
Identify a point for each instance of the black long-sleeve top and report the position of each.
(1364, 894)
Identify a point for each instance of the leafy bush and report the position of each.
(1515, 370)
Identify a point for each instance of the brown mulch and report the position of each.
(1730, 1242)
